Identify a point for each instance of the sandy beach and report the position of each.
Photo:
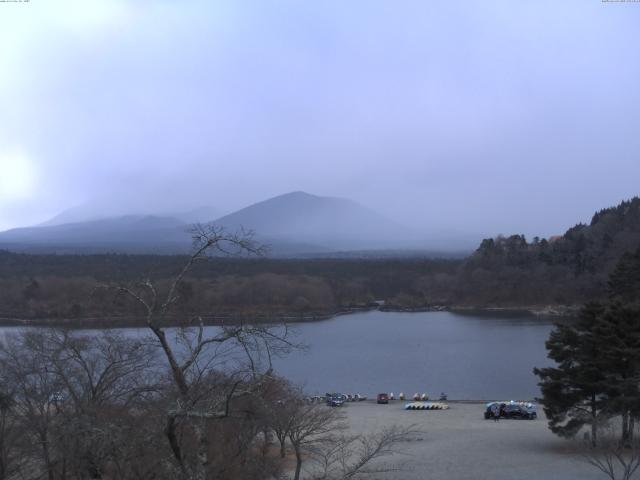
(458, 444)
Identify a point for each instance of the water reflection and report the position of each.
(468, 355)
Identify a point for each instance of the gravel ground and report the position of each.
(458, 444)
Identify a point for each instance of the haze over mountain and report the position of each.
(290, 224)
(89, 212)
(486, 116)
(329, 222)
(129, 233)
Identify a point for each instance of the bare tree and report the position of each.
(615, 458)
(318, 432)
(98, 370)
(102, 406)
(283, 406)
(312, 425)
(356, 456)
(194, 355)
(102, 377)
(11, 462)
(35, 389)
(76, 397)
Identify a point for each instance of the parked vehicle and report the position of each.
(383, 398)
(517, 410)
(335, 399)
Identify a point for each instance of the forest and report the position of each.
(504, 272)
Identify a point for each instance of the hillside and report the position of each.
(583, 248)
(294, 224)
(569, 269)
(323, 223)
(130, 233)
(93, 211)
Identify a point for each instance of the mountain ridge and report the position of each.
(292, 223)
(330, 222)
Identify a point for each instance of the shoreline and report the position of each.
(534, 310)
(555, 311)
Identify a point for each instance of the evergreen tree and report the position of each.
(598, 361)
(575, 391)
(624, 281)
(618, 335)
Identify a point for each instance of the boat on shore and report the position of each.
(426, 406)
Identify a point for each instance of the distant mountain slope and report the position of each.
(130, 233)
(204, 214)
(89, 212)
(77, 214)
(326, 222)
(293, 224)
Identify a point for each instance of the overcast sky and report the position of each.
(478, 116)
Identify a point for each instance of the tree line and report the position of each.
(32, 287)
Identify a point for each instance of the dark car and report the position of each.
(335, 399)
(383, 398)
(517, 410)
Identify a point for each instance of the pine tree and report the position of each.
(575, 392)
(598, 361)
(624, 281)
(618, 334)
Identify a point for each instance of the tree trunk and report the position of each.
(200, 430)
(178, 374)
(298, 461)
(594, 422)
(267, 442)
(625, 428)
(46, 454)
(283, 451)
(47, 461)
(172, 437)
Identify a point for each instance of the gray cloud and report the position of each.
(485, 116)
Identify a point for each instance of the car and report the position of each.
(511, 409)
(383, 398)
(335, 399)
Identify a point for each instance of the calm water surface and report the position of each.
(468, 356)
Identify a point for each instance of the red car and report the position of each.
(383, 398)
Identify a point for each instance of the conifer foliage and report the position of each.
(597, 372)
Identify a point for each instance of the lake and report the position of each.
(468, 356)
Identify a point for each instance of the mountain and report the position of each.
(293, 224)
(90, 212)
(320, 223)
(129, 233)
(77, 214)
(203, 214)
